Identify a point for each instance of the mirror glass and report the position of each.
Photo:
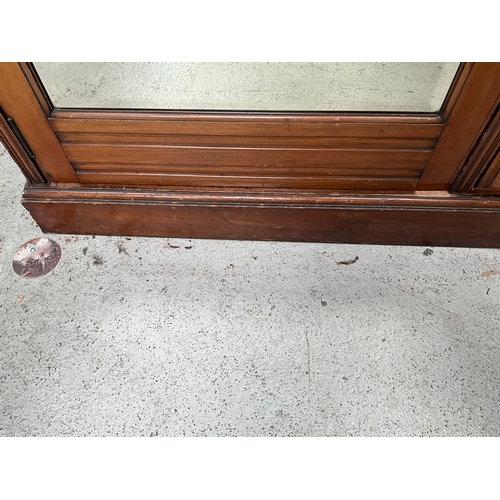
(363, 87)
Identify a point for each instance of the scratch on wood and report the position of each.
(223, 218)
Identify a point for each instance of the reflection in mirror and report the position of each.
(368, 87)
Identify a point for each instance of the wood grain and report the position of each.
(242, 157)
(246, 181)
(455, 90)
(379, 220)
(483, 164)
(247, 150)
(490, 183)
(247, 125)
(376, 178)
(18, 154)
(37, 87)
(468, 120)
(19, 102)
(332, 142)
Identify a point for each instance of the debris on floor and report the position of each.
(490, 273)
(347, 262)
(428, 251)
(98, 260)
(122, 249)
(20, 299)
(36, 258)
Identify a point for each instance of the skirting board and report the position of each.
(433, 219)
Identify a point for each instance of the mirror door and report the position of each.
(227, 155)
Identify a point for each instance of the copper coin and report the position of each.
(36, 258)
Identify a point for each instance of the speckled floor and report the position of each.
(164, 337)
(291, 86)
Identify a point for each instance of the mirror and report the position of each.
(237, 86)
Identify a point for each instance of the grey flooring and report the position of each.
(293, 86)
(166, 337)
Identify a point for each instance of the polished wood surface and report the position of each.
(19, 102)
(455, 90)
(434, 220)
(18, 153)
(247, 149)
(467, 122)
(37, 87)
(482, 168)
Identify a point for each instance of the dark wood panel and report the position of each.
(496, 182)
(248, 149)
(281, 177)
(251, 150)
(421, 199)
(373, 220)
(131, 168)
(490, 183)
(248, 116)
(242, 157)
(247, 125)
(77, 138)
(483, 165)
(244, 181)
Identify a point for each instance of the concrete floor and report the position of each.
(395, 86)
(165, 337)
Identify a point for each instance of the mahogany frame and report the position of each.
(375, 178)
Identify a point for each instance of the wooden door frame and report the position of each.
(427, 215)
